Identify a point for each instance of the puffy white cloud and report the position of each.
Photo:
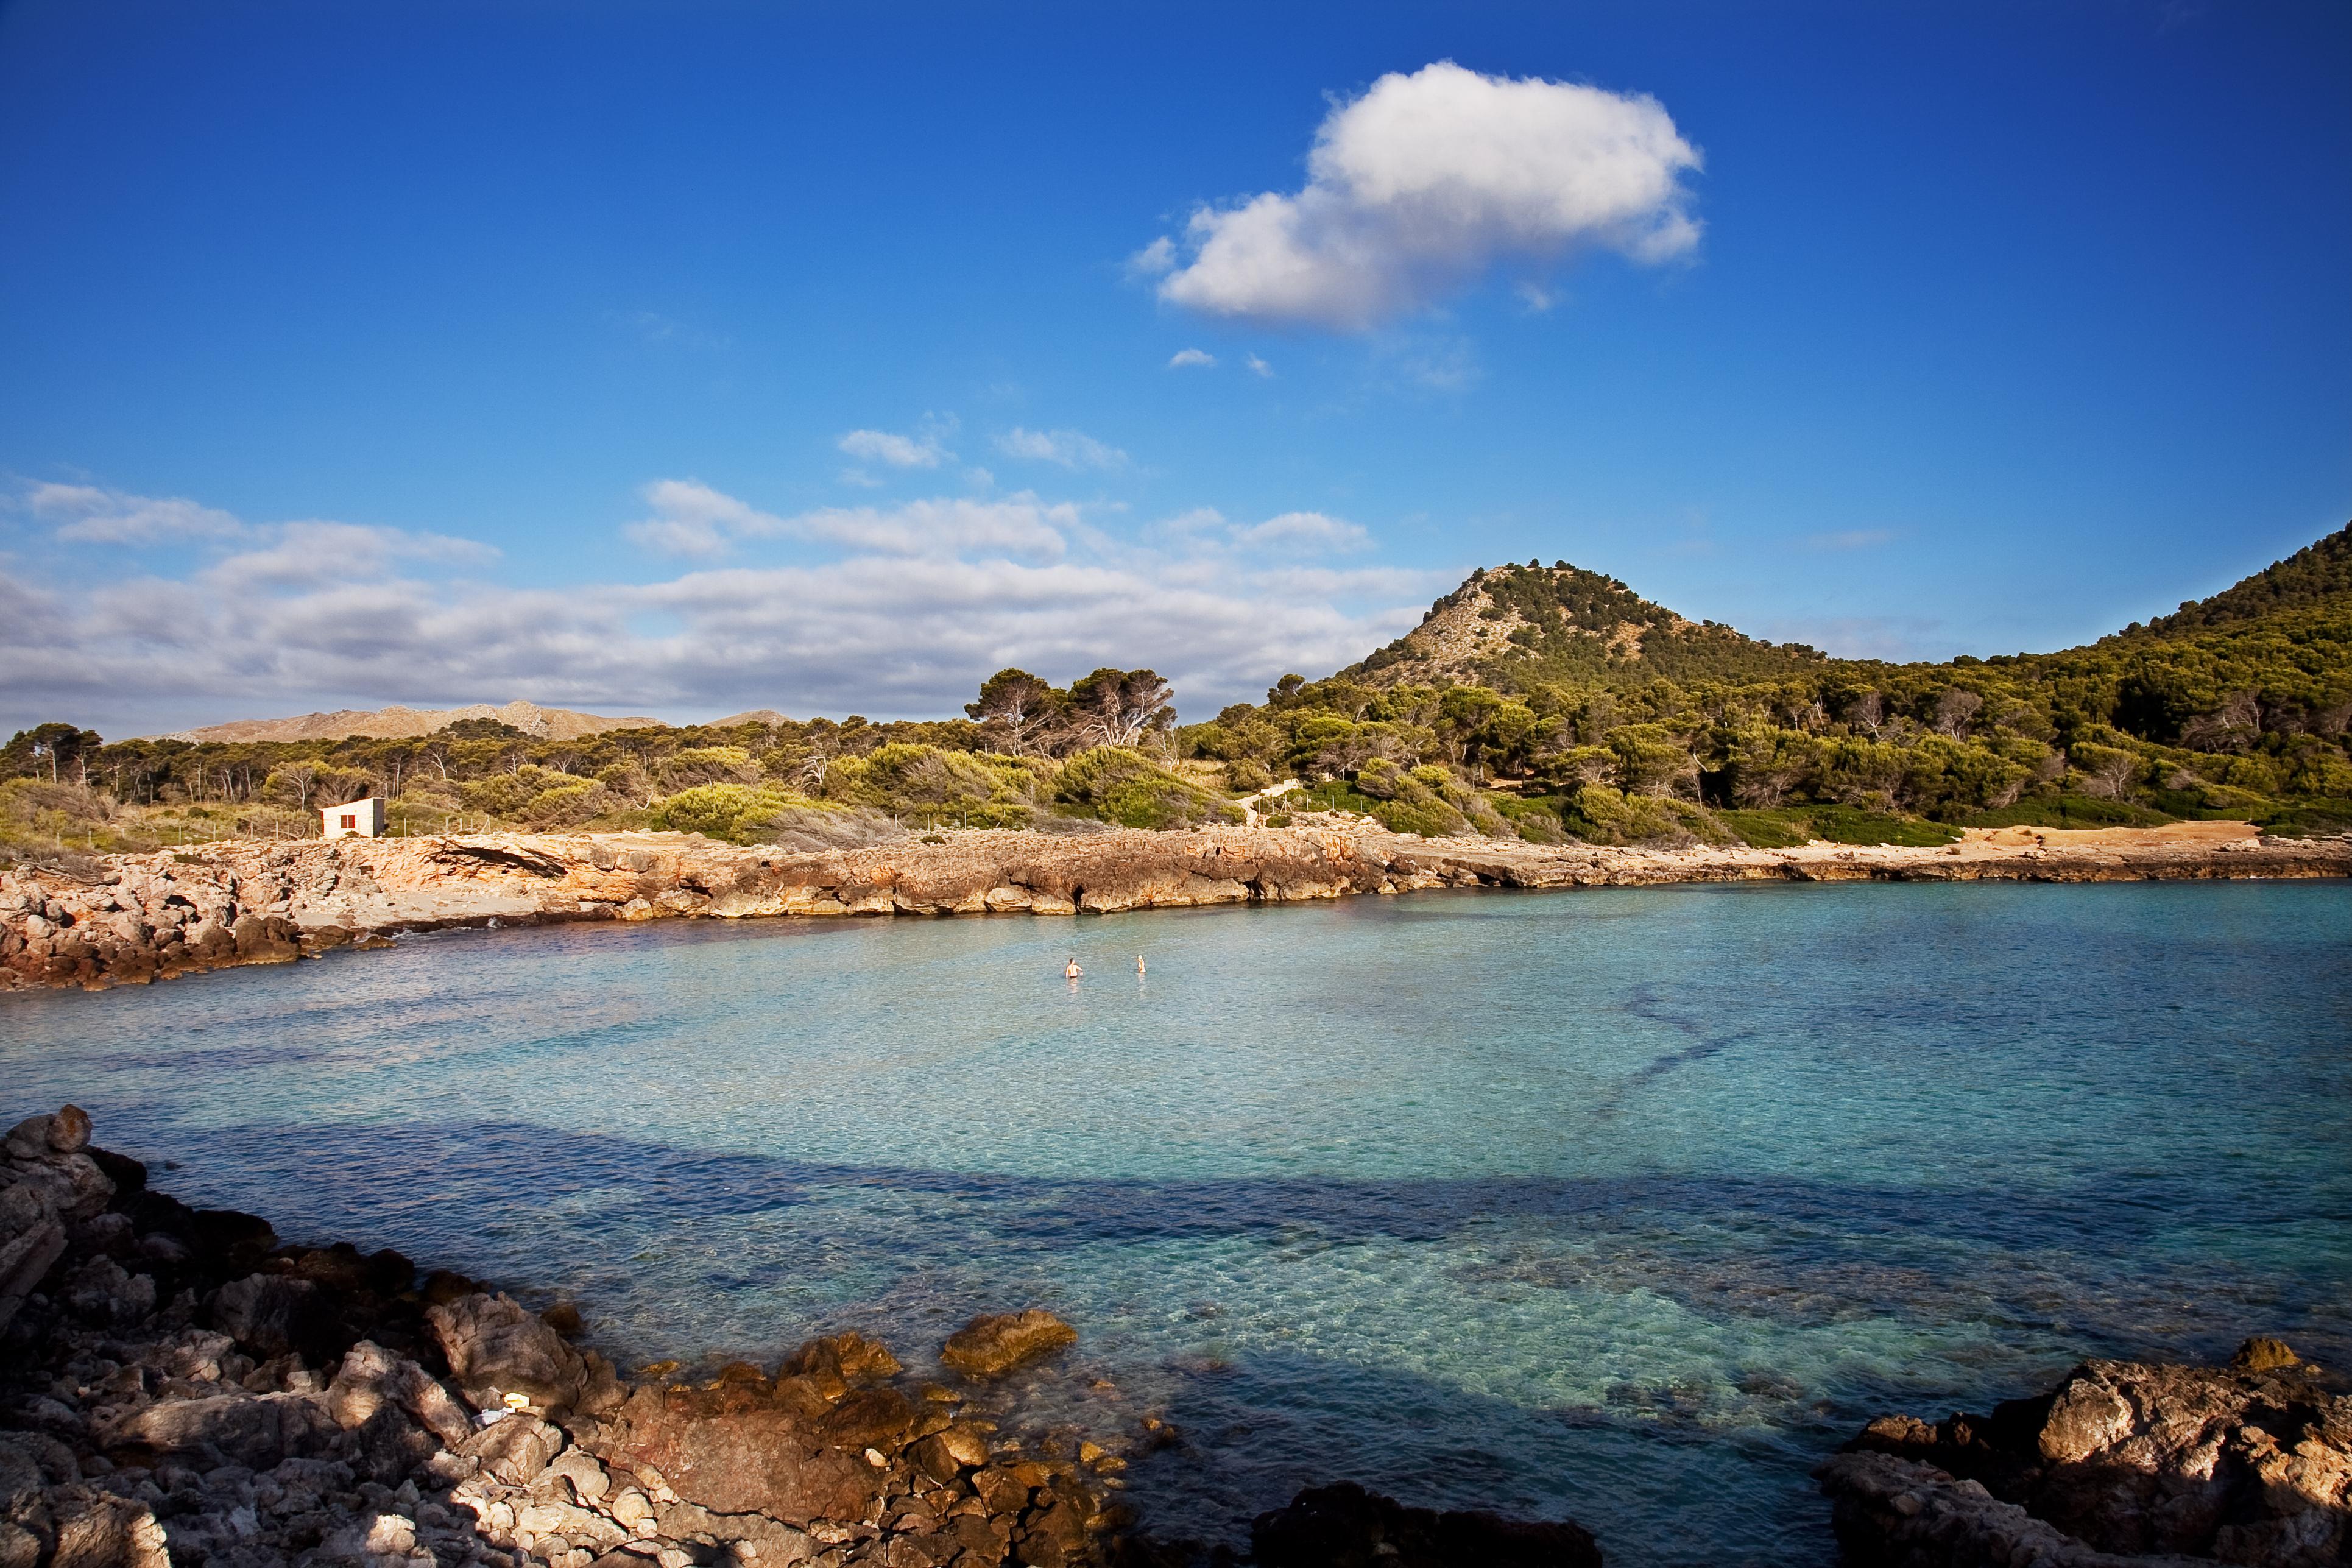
(1072, 449)
(916, 605)
(90, 514)
(1426, 180)
(1182, 357)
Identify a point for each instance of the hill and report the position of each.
(395, 723)
(2317, 576)
(1513, 628)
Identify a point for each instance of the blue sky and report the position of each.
(681, 358)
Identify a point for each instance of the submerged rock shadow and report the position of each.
(2078, 1262)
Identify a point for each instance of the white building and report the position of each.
(358, 818)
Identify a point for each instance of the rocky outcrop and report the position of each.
(1344, 1526)
(178, 1389)
(2121, 1463)
(172, 913)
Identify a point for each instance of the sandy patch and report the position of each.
(2115, 837)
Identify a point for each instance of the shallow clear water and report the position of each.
(1626, 1204)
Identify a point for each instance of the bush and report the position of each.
(934, 786)
(736, 813)
(1247, 774)
(1767, 829)
(1115, 783)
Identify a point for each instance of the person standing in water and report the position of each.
(1139, 964)
(1071, 970)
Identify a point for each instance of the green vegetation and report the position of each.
(1118, 783)
(1599, 716)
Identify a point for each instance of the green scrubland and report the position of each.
(1544, 704)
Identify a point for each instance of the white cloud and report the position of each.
(1153, 259)
(1421, 184)
(917, 604)
(1303, 531)
(1258, 367)
(1182, 357)
(885, 447)
(92, 515)
(692, 519)
(1072, 449)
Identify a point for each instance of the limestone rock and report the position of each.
(734, 1454)
(991, 1346)
(2250, 1463)
(495, 1348)
(271, 1314)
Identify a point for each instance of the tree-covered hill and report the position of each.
(1534, 702)
(2316, 577)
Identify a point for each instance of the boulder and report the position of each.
(945, 1455)
(272, 1315)
(2250, 1463)
(256, 1430)
(735, 1454)
(1344, 1526)
(514, 1450)
(495, 1348)
(372, 1377)
(878, 1417)
(991, 1346)
(850, 1357)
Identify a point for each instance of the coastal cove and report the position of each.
(1629, 1206)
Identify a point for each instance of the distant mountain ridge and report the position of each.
(1512, 626)
(405, 723)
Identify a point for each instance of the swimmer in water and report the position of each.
(1071, 970)
(1139, 964)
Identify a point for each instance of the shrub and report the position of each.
(1247, 774)
(733, 812)
(1116, 784)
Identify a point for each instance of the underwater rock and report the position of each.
(1344, 1526)
(993, 1345)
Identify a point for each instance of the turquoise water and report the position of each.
(1626, 1204)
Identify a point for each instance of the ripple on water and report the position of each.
(1624, 1204)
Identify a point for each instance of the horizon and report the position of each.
(681, 363)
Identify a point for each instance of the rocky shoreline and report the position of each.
(178, 911)
(179, 1390)
(2122, 1464)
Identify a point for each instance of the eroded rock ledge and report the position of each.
(174, 912)
(2121, 1465)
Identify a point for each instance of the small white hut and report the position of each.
(354, 819)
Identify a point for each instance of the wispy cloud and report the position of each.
(667, 332)
(913, 605)
(1258, 367)
(1851, 539)
(90, 514)
(1202, 358)
(1072, 449)
(924, 447)
(1422, 185)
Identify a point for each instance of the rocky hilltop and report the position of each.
(155, 916)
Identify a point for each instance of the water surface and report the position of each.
(1627, 1204)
